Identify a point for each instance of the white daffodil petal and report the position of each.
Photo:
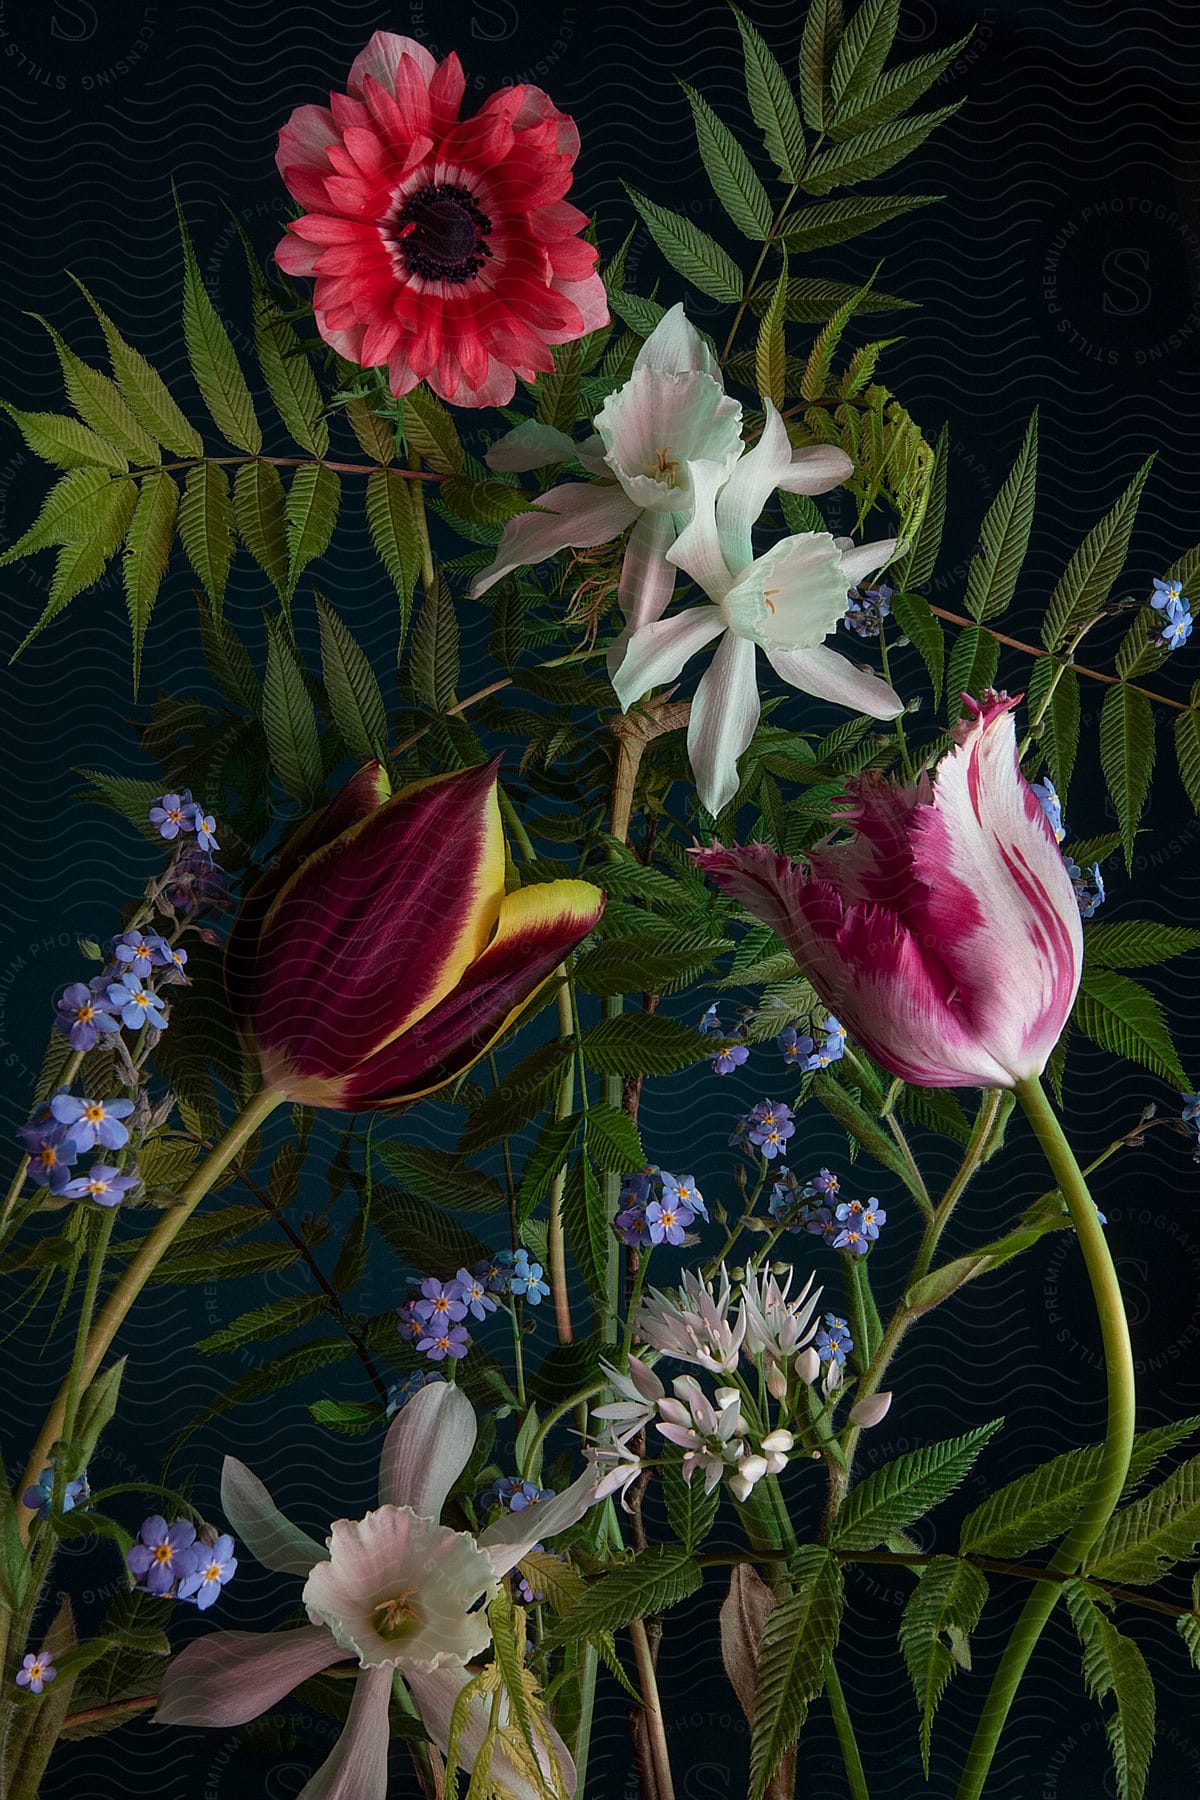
(864, 559)
(697, 549)
(254, 1518)
(675, 346)
(230, 1677)
(724, 714)
(426, 1449)
(657, 652)
(514, 1535)
(578, 513)
(530, 445)
(828, 676)
(658, 424)
(357, 1766)
(752, 481)
(435, 1696)
(816, 470)
(792, 597)
(647, 578)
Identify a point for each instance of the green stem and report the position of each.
(652, 1711)
(856, 1779)
(909, 770)
(588, 1670)
(135, 1277)
(417, 492)
(989, 1106)
(63, 1473)
(1110, 1479)
(556, 1245)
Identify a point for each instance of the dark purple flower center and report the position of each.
(440, 232)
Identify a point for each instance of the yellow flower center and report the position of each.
(667, 1218)
(93, 1113)
(163, 1553)
(398, 1617)
(48, 1156)
(86, 1014)
(664, 467)
(213, 1572)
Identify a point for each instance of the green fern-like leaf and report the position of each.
(892, 1497)
(973, 664)
(1041, 1505)
(818, 46)
(1058, 733)
(260, 509)
(872, 152)
(586, 1221)
(289, 722)
(946, 1603)
(395, 537)
(771, 102)
(642, 1044)
(68, 514)
(1187, 753)
(834, 221)
(798, 1643)
(434, 660)
(101, 405)
(213, 359)
(206, 527)
(1126, 1019)
(144, 390)
(770, 357)
(147, 552)
(1004, 536)
(1127, 750)
(285, 366)
(1088, 578)
(862, 51)
(1113, 1665)
(895, 90)
(1136, 943)
(730, 170)
(354, 697)
(1140, 1543)
(652, 1581)
(64, 442)
(310, 512)
(925, 633)
(81, 563)
(696, 256)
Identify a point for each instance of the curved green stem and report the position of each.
(856, 1777)
(1118, 1437)
(135, 1277)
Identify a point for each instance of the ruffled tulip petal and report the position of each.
(536, 928)
(376, 928)
(357, 1766)
(829, 676)
(999, 898)
(724, 714)
(230, 1677)
(579, 514)
(426, 1449)
(435, 1696)
(515, 1535)
(254, 1517)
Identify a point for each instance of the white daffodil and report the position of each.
(398, 1592)
(786, 602)
(672, 413)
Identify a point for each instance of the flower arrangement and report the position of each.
(619, 846)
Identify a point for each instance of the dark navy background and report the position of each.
(1061, 271)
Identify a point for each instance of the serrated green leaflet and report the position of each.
(651, 1581)
(434, 659)
(1127, 748)
(870, 153)
(147, 552)
(771, 102)
(1142, 1542)
(690, 251)
(1039, 1506)
(730, 170)
(290, 723)
(892, 1497)
(206, 527)
(260, 509)
(310, 513)
(974, 660)
(1125, 1018)
(1114, 1666)
(800, 1636)
(1088, 578)
(946, 1603)
(1004, 536)
(213, 359)
(354, 696)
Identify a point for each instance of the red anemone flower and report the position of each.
(441, 247)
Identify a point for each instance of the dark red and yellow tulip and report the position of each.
(381, 956)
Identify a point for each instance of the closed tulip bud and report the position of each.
(868, 1412)
(945, 933)
(381, 957)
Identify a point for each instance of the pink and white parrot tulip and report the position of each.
(945, 932)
